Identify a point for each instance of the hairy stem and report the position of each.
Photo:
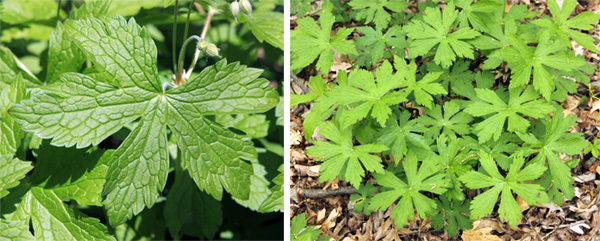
(179, 75)
(187, 21)
(197, 53)
(175, 35)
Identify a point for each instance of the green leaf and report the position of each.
(81, 111)
(274, 201)
(191, 211)
(363, 198)
(11, 67)
(267, 26)
(254, 125)
(477, 14)
(299, 231)
(148, 225)
(128, 63)
(11, 133)
(310, 41)
(50, 217)
(376, 46)
(555, 141)
(524, 62)
(425, 88)
(341, 159)
(137, 170)
(299, 99)
(489, 103)
(515, 181)
(374, 96)
(452, 216)
(427, 179)
(451, 121)
(14, 231)
(63, 55)
(375, 11)
(433, 31)
(24, 11)
(72, 174)
(562, 27)
(454, 161)
(91, 9)
(259, 188)
(400, 135)
(11, 172)
(593, 147)
(323, 106)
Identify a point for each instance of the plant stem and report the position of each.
(175, 35)
(58, 11)
(207, 23)
(187, 21)
(179, 75)
(197, 53)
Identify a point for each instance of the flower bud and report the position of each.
(246, 7)
(212, 50)
(235, 9)
(202, 45)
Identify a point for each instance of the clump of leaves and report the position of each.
(515, 181)
(342, 159)
(370, 11)
(362, 200)
(433, 31)
(310, 42)
(452, 216)
(300, 232)
(424, 89)
(408, 193)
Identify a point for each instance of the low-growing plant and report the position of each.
(426, 110)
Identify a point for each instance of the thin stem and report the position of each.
(58, 11)
(187, 21)
(207, 23)
(197, 53)
(178, 80)
(175, 35)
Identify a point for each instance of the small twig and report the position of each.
(320, 193)
(532, 227)
(295, 79)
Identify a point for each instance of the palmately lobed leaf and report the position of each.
(12, 170)
(122, 49)
(80, 110)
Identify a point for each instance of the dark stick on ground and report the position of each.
(320, 193)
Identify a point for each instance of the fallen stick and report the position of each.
(320, 193)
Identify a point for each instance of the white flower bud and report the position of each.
(202, 45)
(212, 50)
(246, 7)
(235, 9)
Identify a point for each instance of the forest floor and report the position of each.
(576, 219)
